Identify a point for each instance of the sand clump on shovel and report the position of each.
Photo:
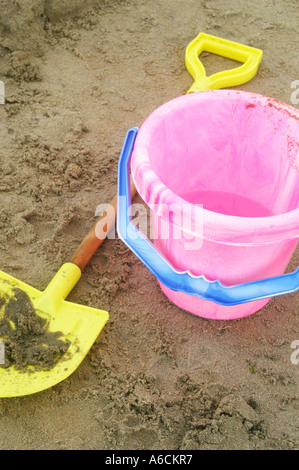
(28, 344)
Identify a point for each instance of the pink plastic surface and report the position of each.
(236, 153)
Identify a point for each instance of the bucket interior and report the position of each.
(235, 154)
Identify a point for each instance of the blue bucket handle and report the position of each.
(184, 281)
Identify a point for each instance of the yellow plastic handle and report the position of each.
(249, 56)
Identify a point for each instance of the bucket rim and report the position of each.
(220, 228)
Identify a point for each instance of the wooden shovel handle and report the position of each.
(98, 233)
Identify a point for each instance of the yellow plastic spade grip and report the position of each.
(249, 56)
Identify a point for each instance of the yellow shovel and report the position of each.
(80, 325)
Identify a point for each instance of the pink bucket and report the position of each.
(236, 154)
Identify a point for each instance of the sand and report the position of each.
(77, 75)
(28, 344)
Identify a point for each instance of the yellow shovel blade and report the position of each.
(80, 326)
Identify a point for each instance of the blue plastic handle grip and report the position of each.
(184, 281)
